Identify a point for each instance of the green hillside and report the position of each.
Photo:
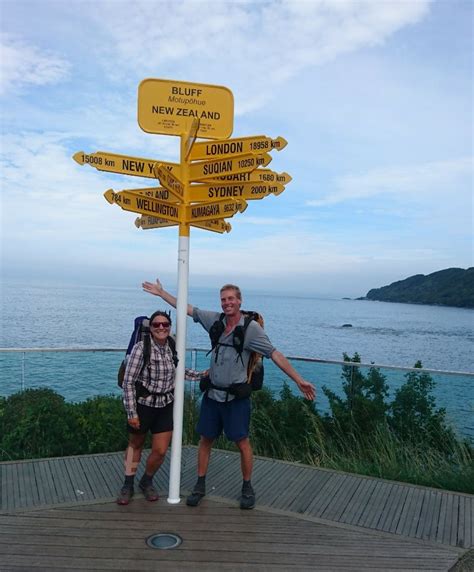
(450, 287)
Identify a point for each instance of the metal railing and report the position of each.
(76, 374)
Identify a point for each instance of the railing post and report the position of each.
(23, 372)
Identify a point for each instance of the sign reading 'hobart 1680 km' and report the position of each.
(168, 107)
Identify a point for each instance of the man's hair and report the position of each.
(232, 287)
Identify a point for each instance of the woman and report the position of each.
(149, 406)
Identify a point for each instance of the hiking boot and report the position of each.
(124, 496)
(196, 496)
(148, 491)
(247, 500)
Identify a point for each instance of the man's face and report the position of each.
(230, 304)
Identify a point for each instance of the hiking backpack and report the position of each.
(255, 372)
(141, 332)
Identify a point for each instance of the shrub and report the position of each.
(36, 423)
(101, 425)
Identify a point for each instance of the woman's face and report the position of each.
(160, 329)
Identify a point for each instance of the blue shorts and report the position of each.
(233, 417)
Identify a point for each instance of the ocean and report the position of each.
(57, 316)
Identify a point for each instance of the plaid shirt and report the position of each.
(158, 377)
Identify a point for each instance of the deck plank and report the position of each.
(368, 503)
(103, 536)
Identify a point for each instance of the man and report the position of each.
(220, 410)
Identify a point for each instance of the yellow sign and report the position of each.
(165, 106)
(168, 180)
(191, 137)
(218, 167)
(219, 226)
(159, 193)
(146, 222)
(230, 147)
(218, 209)
(259, 175)
(221, 190)
(123, 164)
(143, 205)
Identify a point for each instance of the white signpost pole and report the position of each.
(181, 316)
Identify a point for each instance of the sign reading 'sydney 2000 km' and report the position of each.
(168, 107)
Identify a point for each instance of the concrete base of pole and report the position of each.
(173, 501)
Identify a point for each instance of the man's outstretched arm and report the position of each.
(306, 388)
(157, 289)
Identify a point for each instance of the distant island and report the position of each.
(450, 287)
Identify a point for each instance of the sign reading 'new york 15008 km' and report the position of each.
(168, 107)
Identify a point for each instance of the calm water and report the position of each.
(395, 334)
(36, 316)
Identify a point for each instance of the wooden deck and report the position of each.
(60, 514)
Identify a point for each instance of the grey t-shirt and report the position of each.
(229, 368)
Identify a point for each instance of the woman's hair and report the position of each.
(161, 313)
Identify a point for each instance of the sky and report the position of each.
(375, 99)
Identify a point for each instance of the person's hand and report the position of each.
(307, 389)
(153, 288)
(134, 422)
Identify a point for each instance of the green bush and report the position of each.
(407, 440)
(102, 425)
(414, 417)
(36, 423)
(364, 406)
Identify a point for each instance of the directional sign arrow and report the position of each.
(220, 190)
(123, 164)
(218, 209)
(191, 136)
(168, 180)
(159, 193)
(146, 222)
(231, 147)
(232, 165)
(219, 226)
(144, 205)
(259, 175)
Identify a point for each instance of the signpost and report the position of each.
(170, 181)
(227, 166)
(263, 175)
(229, 147)
(212, 182)
(219, 190)
(144, 205)
(219, 226)
(159, 193)
(122, 164)
(215, 210)
(165, 106)
(146, 221)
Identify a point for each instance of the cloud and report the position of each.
(405, 182)
(23, 64)
(253, 47)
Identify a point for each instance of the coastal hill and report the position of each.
(450, 287)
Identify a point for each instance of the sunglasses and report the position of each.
(158, 325)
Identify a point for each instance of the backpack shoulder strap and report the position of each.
(215, 331)
(172, 345)
(145, 333)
